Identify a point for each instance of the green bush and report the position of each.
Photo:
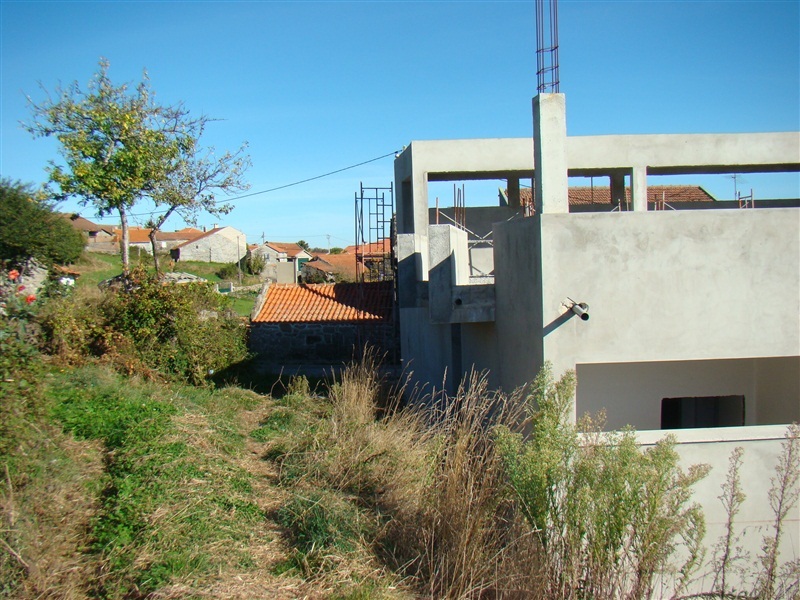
(609, 516)
(228, 272)
(255, 264)
(30, 228)
(186, 330)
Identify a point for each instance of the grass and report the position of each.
(136, 489)
(172, 493)
(95, 267)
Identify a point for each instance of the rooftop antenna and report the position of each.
(736, 178)
(547, 46)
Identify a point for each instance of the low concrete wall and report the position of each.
(762, 448)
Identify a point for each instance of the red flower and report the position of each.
(20, 288)
(13, 274)
(30, 299)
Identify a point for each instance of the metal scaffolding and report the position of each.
(374, 219)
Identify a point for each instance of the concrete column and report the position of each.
(512, 192)
(449, 267)
(550, 152)
(618, 189)
(639, 188)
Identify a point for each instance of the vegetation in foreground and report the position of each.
(121, 480)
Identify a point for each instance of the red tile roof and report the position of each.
(335, 302)
(585, 195)
(341, 264)
(374, 248)
(290, 249)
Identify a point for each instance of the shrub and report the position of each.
(228, 271)
(30, 228)
(255, 264)
(608, 516)
(187, 330)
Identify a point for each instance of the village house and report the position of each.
(284, 260)
(96, 235)
(330, 268)
(675, 319)
(219, 245)
(139, 238)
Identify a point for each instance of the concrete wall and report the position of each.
(762, 448)
(672, 286)
(631, 393)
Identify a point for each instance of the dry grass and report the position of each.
(46, 514)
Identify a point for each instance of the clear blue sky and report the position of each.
(318, 86)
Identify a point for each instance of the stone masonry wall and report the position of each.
(331, 343)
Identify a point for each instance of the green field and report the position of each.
(95, 267)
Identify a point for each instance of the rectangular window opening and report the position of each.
(702, 411)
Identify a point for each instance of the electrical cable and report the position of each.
(281, 187)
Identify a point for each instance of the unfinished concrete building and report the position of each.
(687, 320)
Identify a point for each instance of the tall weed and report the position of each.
(609, 518)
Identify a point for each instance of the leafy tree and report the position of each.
(304, 245)
(30, 228)
(193, 176)
(118, 146)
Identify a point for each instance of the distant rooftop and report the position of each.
(587, 195)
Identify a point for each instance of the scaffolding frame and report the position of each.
(375, 259)
(374, 247)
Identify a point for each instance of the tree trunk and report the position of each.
(152, 236)
(125, 242)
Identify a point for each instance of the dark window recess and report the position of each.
(702, 411)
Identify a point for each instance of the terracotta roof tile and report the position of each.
(343, 264)
(378, 248)
(336, 302)
(291, 249)
(585, 195)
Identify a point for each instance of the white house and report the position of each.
(691, 318)
(284, 261)
(220, 245)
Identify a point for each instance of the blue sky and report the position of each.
(318, 86)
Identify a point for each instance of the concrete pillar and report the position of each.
(550, 152)
(639, 188)
(449, 267)
(512, 191)
(618, 190)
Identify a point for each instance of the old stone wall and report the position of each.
(331, 343)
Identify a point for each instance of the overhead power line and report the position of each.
(281, 187)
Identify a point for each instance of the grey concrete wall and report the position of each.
(518, 311)
(672, 286)
(631, 393)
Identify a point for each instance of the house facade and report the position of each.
(687, 320)
(139, 238)
(220, 245)
(284, 260)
